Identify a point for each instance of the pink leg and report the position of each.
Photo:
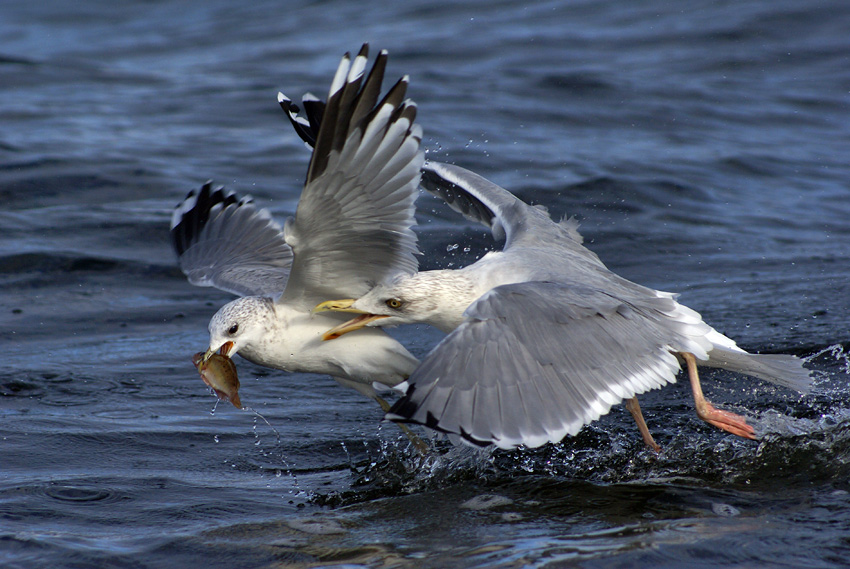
(724, 420)
(634, 408)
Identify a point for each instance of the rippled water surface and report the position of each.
(703, 146)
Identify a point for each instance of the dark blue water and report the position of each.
(703, 145)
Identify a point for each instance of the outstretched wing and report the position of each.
(507, 216)
(228, 243)
(471, 195)
(536, 361)
(353, 225)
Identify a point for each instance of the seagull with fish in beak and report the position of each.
(339, 242)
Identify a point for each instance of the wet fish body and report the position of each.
(219, 373)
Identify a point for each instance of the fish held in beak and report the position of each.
(219, 373)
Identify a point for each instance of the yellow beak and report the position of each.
(343, 305)
(350, 326)
(224, 350)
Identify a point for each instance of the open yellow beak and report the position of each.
(350, 326)
(224, 350)
(344, 305)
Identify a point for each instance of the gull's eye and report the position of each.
(394, 303)
(233, 329)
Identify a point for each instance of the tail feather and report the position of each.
(781, 369)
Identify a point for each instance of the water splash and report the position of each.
(275, 454)
(258, 415)
(838, 353)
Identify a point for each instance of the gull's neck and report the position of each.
(441, 296)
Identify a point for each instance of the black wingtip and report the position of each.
(303, 126)
(350, 105)
(404, 410)
(192, 214)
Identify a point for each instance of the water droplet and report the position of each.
(452, 247)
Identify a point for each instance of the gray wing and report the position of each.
(353, 225)
(536, 361)
(459, 198)
(473, 196)
(507, 216)
(228, 243)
